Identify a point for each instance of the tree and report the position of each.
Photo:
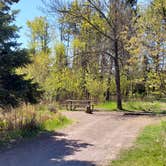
(109, 19)
(14, 89)
(39, 35)
(153, 43)
(61, 61)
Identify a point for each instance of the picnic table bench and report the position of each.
(86, 105)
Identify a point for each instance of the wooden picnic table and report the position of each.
(86, 105)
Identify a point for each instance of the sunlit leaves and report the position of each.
(39, 35)
(78, 44)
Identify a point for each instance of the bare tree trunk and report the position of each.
(108, 93)
(117, 77)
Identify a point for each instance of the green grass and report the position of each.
(56, 123)
(156, 106)
(107, 105)
(149, 149)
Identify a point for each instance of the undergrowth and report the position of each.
(29, 121)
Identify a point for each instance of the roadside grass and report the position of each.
(156, 106)
(29, 121)
(57, 123)
(149, 149)
(108, 106)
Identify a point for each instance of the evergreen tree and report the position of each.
(14, 89)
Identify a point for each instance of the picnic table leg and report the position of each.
(71, 107)
(67, 107)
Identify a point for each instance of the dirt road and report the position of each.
(93, 140)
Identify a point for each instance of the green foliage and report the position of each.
(153, 36)
(61, 61)
(149, 149)
(39, 69)
(125, 85)
(39, 53)
(84, 64)
(39, 35)
(96, 87)
(62, 85)
(154, 84)
(78, 44)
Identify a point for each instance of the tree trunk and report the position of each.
(107, 94)
(117, 77)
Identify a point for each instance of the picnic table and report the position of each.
(86, 105)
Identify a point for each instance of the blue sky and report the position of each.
(29, 9)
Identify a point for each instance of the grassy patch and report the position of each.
(56, 123)
(157, 106)
(107, 105)
(150, 149)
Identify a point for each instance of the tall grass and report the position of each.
(28, 121)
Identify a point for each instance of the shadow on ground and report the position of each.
(49, 150)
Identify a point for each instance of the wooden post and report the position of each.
(88, 108)
(71, 106)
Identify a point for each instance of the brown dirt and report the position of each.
(94, 139)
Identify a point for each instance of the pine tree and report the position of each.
(14, 89)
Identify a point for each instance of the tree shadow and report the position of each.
(46, 150)
(74, 163)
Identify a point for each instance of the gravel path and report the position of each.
(93, 140)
